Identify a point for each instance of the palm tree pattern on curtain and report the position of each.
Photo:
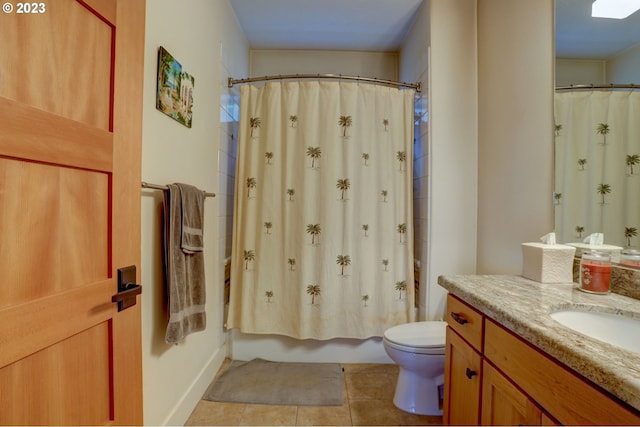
(322, 244)
(597, 189)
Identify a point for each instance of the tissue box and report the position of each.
(548, 263)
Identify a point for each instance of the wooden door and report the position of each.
(463, 371)
(70, 148)
(548, 420)
(503, 404)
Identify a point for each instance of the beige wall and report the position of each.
(580, 72)
(625, 67)
(205, 38)
(489, 137)
(515, 128)
(383, 65)
(622, 68)
(453, 105)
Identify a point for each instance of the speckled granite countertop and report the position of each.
(523, 306)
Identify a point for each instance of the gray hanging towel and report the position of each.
(184, 261)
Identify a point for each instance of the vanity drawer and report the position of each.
(466, 321)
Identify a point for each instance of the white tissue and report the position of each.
(595, 239)
(549, 239)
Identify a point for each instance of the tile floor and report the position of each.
(368, 400)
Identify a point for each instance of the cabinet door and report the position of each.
(463, 370)
(503, 403)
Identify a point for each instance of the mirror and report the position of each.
(597, 138)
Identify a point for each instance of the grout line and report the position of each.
(346, 391)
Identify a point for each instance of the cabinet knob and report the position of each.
(470, 374)
(458, 318)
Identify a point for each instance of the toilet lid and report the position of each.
(418, 334)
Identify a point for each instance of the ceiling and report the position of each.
(369, 25)
(382, 25)
(578, 35)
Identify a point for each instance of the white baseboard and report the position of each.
(185, 406)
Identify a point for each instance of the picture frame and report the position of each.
(174, 94)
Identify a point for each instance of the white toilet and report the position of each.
(418, 348)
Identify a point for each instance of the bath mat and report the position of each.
(279, 383)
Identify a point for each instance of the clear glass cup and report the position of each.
(595, 272)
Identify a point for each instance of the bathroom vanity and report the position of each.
(509, 362)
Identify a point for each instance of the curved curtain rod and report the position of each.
(590, 87)
(416, 86)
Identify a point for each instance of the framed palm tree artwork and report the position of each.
(174, 95)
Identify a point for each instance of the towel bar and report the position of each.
(164, 187)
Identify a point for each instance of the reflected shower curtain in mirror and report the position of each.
(598, 166)
(323, 224)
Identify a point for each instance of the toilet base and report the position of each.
(417, 394)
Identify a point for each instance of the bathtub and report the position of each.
(279, 348)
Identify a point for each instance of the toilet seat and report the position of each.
(426, 337)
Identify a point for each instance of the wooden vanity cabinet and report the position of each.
(564, 394)
(463, 364)
(500, 379)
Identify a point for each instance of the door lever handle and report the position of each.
(127, 290)
(470, 374)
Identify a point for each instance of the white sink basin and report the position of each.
(618, 330)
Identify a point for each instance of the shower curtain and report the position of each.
(598, 166)
(323, 224)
